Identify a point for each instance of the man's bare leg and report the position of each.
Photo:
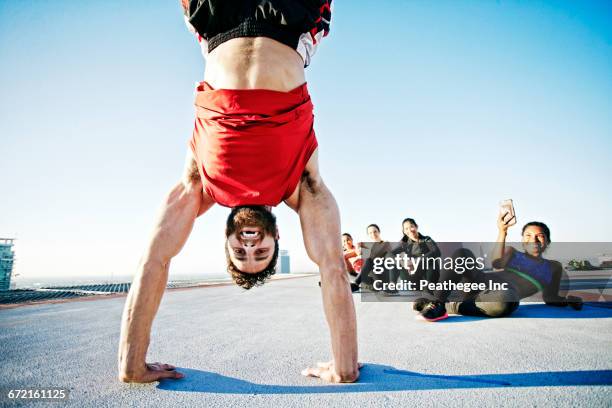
(320, 220)
(182, 206)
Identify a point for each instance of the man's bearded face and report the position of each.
(251, 234)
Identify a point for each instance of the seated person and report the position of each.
(415, 244)
(525, 273)
(377, 247)
(352, 255)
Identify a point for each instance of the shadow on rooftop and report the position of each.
(592, 310)
(380, 378)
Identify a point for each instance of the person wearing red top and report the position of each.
(352, 255)
(253, 147)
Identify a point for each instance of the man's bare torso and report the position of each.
(254, 63)
(258, 63)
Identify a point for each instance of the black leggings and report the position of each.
(487, 303)
(364, 274)
(392, 275)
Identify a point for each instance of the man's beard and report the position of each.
(251, 216)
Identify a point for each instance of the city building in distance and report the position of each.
(284, 261)
(7, 258)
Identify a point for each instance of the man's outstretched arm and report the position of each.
(180, 209)
(320, 220)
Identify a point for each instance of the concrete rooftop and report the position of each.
(247, 349)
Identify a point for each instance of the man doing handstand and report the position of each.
(253, 147)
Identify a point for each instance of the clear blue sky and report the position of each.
(433, 110)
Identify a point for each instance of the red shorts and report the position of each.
(252, 145)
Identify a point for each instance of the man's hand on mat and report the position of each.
(327, 372)
(153, 372)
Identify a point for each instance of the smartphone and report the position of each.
(506, 207)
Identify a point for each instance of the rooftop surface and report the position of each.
(242, 348)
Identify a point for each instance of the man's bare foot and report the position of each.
(152, 372)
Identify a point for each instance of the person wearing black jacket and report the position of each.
(416, 245)
(376, 248)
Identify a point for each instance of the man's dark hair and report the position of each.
(373, 225)
(346, 234)
(249, 280)
(540, 225)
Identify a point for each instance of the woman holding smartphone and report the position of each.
(525, 273)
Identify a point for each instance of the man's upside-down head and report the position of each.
(251, 247)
